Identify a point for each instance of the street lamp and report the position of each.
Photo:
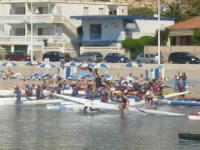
(159, 50)
(31, 50)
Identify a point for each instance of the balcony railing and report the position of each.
(37, 40)
(12, 19)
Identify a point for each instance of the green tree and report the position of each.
(141, 11)
(196, 37)
(194, 8)
(136, 46)
(163, 37)
(176, 11)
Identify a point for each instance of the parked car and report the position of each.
(116, 58)
(56, 56)
(18, 56)
(149, 58)
(183, 58)
(90, 57)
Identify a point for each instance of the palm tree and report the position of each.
(195, 8)
(176, 11)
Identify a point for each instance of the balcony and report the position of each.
(26, 19)
(23, 40)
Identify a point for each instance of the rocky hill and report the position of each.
(149, 3)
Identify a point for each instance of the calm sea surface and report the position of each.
(36, 128)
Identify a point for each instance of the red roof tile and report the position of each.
(192, 23)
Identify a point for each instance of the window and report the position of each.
(43, 31)
(19, 31)
(95, 31)
(19, 10)
(100, 11)
(85, 11)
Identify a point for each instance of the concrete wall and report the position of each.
(166, 50)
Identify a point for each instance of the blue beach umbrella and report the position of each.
(32, 63)
(84, 65)
(71, 64)
(133, 64)
(46, 66)
(101, 65)
(9, 64)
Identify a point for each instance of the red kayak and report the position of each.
(194, 116)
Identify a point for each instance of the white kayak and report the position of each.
(31, 101)
(96, 104)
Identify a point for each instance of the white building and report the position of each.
(51, 23)
(105, 33)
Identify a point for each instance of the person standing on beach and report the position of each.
(18, 94)
(184, 79)
(177, 80)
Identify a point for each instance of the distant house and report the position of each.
(105, 33)
(181, 33)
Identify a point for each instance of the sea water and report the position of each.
(36, 128)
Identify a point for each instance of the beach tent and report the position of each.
(9, 64)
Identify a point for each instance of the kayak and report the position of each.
(194, 116)
(189, 136)
(184, 102)
(112, 106)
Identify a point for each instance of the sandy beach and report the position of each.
(192, 72)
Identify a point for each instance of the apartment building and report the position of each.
(46, 25)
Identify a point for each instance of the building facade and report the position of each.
(41, 26)
(106, 33)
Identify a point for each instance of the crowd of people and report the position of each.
(118, 89)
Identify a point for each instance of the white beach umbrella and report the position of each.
(71, 64)
(84, 65)
(101, 65)
(32, 63)
(133, 64)
(46, 66)
(9, 64)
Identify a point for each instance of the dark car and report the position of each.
(183, 58)
(56, 56)
(90, 57)
(116, 58)
(18, 56)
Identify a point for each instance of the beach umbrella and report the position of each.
(82, 73)
(84, 65)
(133, 64)
(71, 64)
(32, 63)
(46, 66)
(101, 65)
(9, 64)
(91, 66)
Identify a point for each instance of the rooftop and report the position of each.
(192, 23)
(118, 17)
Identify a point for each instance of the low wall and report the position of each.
(166, 50)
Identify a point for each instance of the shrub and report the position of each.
(196, 37)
